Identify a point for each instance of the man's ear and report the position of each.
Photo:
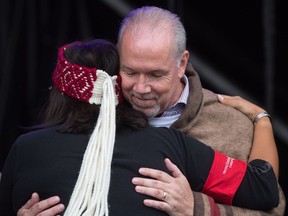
(183, 63)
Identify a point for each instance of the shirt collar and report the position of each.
(184, 95)
(180, 103)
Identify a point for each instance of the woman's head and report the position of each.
(72, 105)
(97, 53)
(74, 77)
(83, 68)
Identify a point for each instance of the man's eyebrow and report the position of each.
(123, 67)
(159, 71)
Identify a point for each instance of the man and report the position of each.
(153, 61)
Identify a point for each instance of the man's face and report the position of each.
(150, 74)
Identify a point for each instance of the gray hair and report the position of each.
(155, 17)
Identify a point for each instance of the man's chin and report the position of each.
(150, 113)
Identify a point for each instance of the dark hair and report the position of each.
(75, 116)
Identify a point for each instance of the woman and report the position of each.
(86, 92)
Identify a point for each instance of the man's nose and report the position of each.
(142, 85)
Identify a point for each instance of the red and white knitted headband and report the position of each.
(82, 83)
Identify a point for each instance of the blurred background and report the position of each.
(237, 47)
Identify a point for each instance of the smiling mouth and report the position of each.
(142, 102)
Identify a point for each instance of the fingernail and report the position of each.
(138, 189)
(142, 170)
(61, 207)
(134, 180)
(220, 97)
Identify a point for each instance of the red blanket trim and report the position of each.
(214, 208)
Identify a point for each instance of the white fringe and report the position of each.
(90, 194)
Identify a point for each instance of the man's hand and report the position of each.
(174, 194)
(47, 207)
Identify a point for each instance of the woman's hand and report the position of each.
(249, 109)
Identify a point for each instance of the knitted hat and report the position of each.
(90, 194)
(82, 83)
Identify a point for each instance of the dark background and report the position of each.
(238, 48)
